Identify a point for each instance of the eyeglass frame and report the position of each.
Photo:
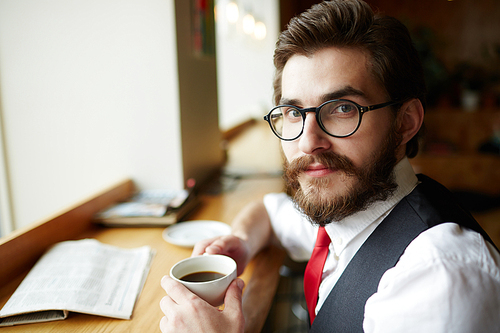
(316, 110)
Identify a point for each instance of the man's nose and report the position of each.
(313, 139)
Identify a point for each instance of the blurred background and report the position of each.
(458, 41)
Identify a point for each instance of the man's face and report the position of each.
(335, 177)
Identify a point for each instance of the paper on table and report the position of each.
(83, 276)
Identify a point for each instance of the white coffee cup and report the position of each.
(214, 290)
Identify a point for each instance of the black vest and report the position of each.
(428, 205)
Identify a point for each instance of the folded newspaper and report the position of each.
(83, 276)
(147, 208)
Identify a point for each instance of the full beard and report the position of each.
(365, 185)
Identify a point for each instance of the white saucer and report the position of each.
(189, 233)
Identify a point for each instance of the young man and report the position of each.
(401, 255)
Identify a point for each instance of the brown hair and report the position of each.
(352, 23)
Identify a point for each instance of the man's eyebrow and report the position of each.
(289, 101)
(343, 93)
(347, 91)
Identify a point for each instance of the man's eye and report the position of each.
(293, 113)
(345, 108)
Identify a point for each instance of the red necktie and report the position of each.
(314, 271)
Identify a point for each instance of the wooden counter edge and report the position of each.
(22, 248)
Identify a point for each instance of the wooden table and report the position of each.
(19, 251)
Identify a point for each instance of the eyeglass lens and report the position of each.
(339, 118)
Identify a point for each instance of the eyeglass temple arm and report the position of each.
(377, 106)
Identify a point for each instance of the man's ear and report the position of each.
(410, 119)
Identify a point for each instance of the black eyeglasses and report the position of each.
(339, 118)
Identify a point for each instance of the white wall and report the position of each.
(88, 96)
(244, 64)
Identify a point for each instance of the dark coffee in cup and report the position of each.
(202, 276)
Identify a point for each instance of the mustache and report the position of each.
(330, 160)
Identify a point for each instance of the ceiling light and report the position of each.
(260, 30)
(232, 12)
(248, 24)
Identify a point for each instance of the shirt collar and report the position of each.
(353, 225)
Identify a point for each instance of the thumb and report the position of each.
(232, 300)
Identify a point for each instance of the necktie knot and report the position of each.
(323, 239)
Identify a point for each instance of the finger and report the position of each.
(224, 245)
(176, 291)
(233, 298)
(200, 247)
(166, 305)
(161, 281)
(164, 325)
(215, 245)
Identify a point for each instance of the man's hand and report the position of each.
(186, 312)
(230, 246)
(251, 232)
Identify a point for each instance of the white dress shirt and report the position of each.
(447, 280)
